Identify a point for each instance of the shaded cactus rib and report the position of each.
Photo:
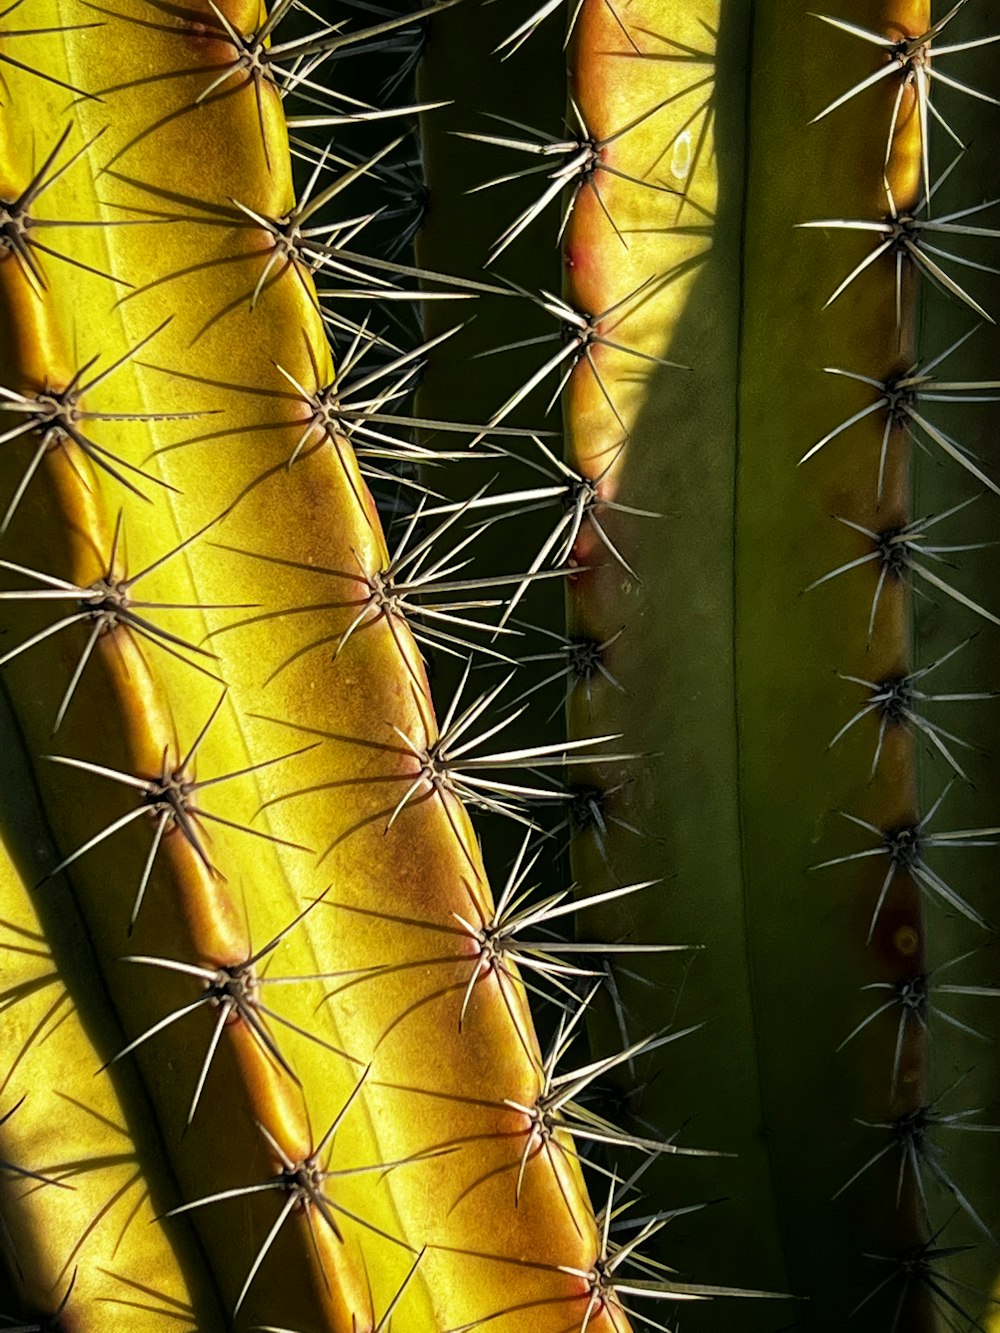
(82, 1173)
(788, 792)
(145, 878)
(767, 529)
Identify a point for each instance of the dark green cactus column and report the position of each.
(781, 578)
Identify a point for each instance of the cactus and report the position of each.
(285, 656)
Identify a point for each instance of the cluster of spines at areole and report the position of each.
(255, 841)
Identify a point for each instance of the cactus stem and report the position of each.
(23, 1172)
(498, 945)
(450, 767)
(286, 251)
(589, 813)
(915, 1266)
(577, 494)
(287, 246)
(913, 994)
(51, 1323)
(516, 39)
(256, 60)
(391, 593)
(556, 1110)
(383, 1324)
(338, 412)
(583, 661)
(17, 224)
(606, 1288)
(495, 946)
(5, 59)
(450, 771)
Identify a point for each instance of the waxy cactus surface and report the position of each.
(498, 641)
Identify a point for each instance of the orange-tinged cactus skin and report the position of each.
(786, 901)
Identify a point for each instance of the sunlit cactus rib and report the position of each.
(229, 310)
(147, 867)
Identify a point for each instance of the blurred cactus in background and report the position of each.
(499, 658)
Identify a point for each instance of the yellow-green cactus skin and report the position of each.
(341, 1148)
(488, 565)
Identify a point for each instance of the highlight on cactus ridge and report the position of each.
(319, 620)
